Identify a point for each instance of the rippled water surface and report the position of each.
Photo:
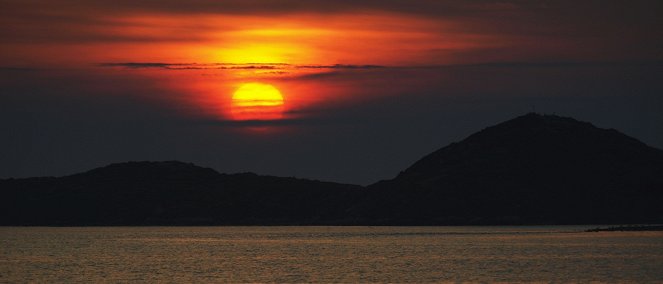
(327, 254)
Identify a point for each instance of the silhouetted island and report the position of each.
(628, 228)
(534, 169)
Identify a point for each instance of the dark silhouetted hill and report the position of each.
(170, 193)
(534, 169)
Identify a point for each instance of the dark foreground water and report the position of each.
(328, 254)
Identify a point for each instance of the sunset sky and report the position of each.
(348, 91)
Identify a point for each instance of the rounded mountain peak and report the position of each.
(535, 141)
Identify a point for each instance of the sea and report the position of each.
(328, 254)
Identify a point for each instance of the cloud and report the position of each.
(384, 32)
(270, 7)
(506, 64)
(340, 66)
(163, 65)
(452, 8)
(263, 123)
(138, 65)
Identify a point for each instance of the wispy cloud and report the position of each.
(178, 66)
(265, 123)
(279, 66)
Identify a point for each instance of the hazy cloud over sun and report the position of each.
(439, 32)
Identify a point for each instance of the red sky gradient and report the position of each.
(80, 34)
(69, 32)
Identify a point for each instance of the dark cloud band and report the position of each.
(178, 66)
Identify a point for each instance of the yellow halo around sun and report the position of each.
(257, 101)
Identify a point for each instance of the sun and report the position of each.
(257, 101)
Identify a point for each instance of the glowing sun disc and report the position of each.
(257, 101)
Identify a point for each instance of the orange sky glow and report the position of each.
(212, 55)
(206, 57)
(377, 38)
